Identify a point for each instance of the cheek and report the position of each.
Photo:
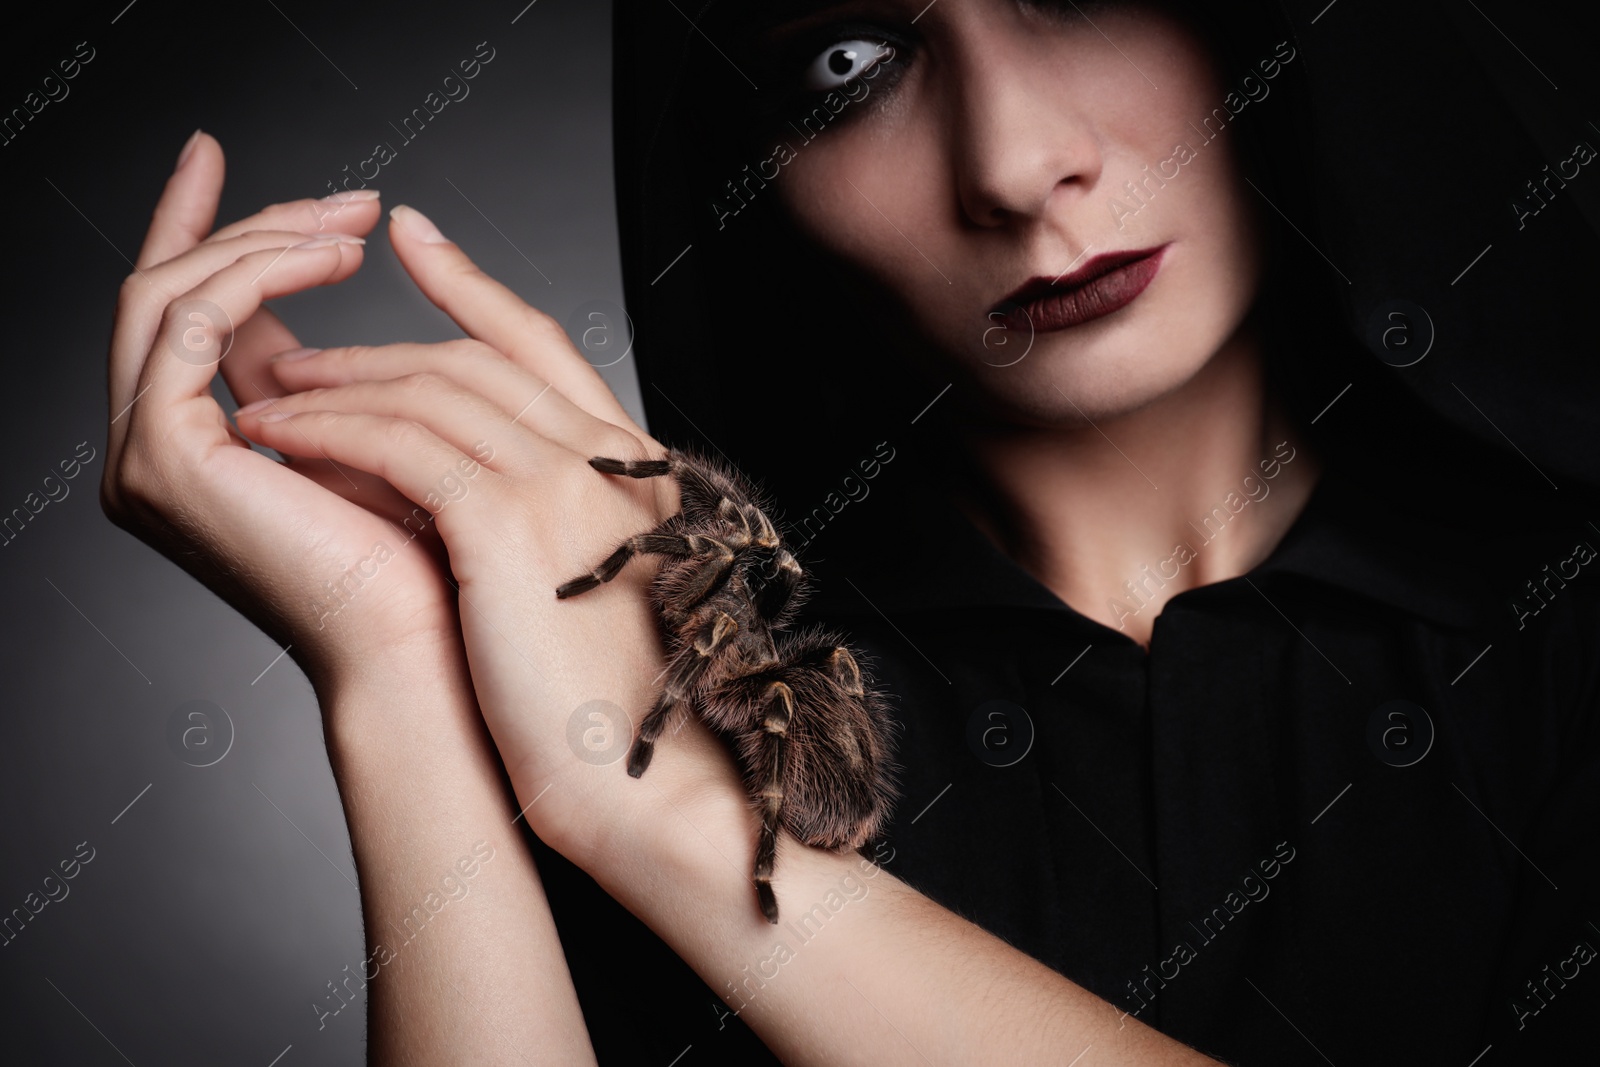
(842, 197)
(1216, 266)
(1205, 204)
(1226, 221)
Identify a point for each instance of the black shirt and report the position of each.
(1343, 810)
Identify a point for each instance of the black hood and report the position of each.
(1417, 201)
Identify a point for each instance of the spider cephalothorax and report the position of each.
(811, 733)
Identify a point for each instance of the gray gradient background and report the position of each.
(221, 902)
(209, 921)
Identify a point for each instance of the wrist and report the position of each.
(618, 828)
(689, 871)
(420, 688)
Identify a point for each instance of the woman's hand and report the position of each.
(332, 561)
(491, 436)
(309, 551)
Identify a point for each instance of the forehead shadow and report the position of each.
(749, 17)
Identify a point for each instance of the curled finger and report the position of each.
(428, 470)
(519, 394)
(460, 417)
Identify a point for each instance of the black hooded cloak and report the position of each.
(1345, 809)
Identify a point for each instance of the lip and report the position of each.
(1106, 283)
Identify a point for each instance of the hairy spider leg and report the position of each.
(707, 493)
(683, 678)
(766, 533)
(633, 468)
(779, 711)
(702, 582)
(847, 672)
(732, 513)
(704, 492)
(697, 487)
(656, 541)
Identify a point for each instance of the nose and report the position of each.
(1018, 142)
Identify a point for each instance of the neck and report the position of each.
(1119, 516)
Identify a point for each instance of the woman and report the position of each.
(1185, 835)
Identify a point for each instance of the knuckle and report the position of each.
(472, 350)
(542, 323)
(622, 444)
(423, 383)
(171, 318)
(402, 434)
(242, 239)
(263, 256)
(465, 270)
(135, 483)
(137, 288)
(344, 355)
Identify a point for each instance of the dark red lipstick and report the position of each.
(1107, 282)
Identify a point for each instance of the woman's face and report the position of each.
(989, 154)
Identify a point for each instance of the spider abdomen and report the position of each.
(836, 781)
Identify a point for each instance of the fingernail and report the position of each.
(331, 239)
(294, 354)
(274, 416)
(248, 408)
(418, 225)
(351, 196)
(188, 150)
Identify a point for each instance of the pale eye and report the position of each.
(841, 62)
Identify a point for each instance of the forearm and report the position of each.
(463, 962)
(861, 968)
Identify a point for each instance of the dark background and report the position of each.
(209, 921)
(219, 905)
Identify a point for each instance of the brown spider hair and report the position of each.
(812, 735)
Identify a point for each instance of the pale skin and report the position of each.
(417, 771)
(1033, 122)
(404, 673)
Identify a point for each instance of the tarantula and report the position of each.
(812, 735)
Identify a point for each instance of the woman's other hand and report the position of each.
(331, 561)
(491, 436)
(314, 553)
